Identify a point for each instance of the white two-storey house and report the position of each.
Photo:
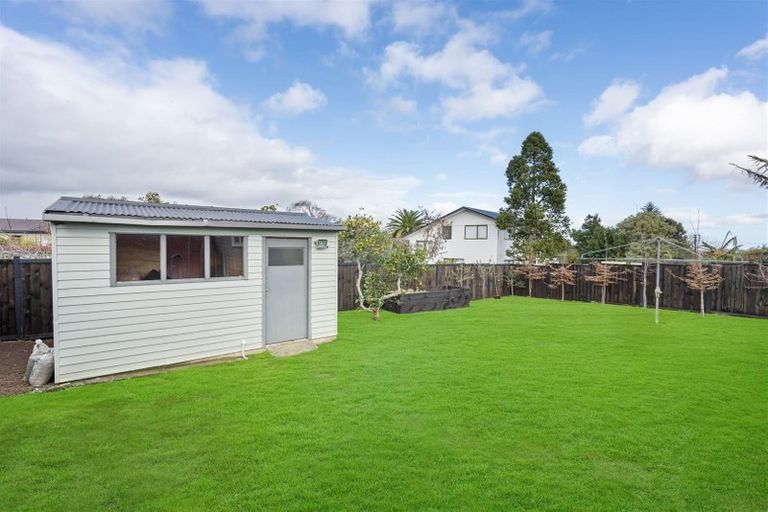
(471, 236)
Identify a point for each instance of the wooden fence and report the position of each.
(735, 296)
(27, 283)
(26, 309)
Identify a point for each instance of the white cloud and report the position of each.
(420, 16)
(690, 217)
(741, 219)
(130, 15)
(487, 88)
(598, 145)
(526, 8)
(690, 125)
(402, 105)
(536, 42)
(568, 56)
(613, 102)
(299, 97)
(351, 18)
(756, 50)
(448, 201)
(74, 124)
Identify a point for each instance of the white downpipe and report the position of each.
(243, 350)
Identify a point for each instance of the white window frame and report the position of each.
(477, 231)
(164, 257)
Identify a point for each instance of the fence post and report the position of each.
(18, 297)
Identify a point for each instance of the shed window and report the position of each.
(447, 232)
(478, 232)
(285, 256)
(227, 256)
(185, 256)
(137, 257)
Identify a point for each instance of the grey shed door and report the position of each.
(286, 289)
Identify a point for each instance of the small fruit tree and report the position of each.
(531, 273)
(604, 276)
(363, 242)
(702, 278)
(560, 277)
(384, 264)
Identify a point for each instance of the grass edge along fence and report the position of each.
(736, 295)
(28, 282)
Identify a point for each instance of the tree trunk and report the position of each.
(562, 292)
(602, 300)
(701, 300)
(358, 285)
(530, 288)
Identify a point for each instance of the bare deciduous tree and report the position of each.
(532, 273)
(604, 275)
(311, 209)
(757, 280)
(513, 279)
(701, 278)
(432, 234)
(560, 277)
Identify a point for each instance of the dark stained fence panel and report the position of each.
(734, 295)
(26, 295)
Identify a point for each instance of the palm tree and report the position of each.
(759, 171)
(405, 221)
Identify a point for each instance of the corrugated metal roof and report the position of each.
(77, 206)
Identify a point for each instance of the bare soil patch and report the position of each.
(13, 363)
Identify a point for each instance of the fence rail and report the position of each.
(26, 309)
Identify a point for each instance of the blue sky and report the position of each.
(381, 105)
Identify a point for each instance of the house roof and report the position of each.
(23, 226)
(82, 209)
(487, 213)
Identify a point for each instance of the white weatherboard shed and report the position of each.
(138, 285)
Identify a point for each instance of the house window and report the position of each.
(477, 232)
(137, 257)
(421, 245)
(447, 232)
(227, 256)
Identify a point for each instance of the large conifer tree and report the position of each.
(534, 213)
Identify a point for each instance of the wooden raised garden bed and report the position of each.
(448, 298)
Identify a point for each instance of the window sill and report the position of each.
(120, 284)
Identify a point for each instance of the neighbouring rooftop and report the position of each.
(23, 226)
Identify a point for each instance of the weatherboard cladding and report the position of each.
(180, 212)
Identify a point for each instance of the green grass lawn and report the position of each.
(509, 404)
